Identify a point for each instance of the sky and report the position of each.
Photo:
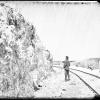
(66, 30)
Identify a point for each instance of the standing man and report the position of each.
(66, 68)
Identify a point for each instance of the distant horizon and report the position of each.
(79, 60)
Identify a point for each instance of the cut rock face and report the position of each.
(21, 55)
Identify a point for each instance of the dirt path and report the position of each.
(55, 86)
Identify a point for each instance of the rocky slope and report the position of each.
(24, 62)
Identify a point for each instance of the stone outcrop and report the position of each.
(24, 62)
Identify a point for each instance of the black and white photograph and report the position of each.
(49, 49)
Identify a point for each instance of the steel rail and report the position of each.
(86, 73)
(86, 83)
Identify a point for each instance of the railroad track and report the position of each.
(88, 85)
(81, 71)
(91, 88)
(86, 73)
